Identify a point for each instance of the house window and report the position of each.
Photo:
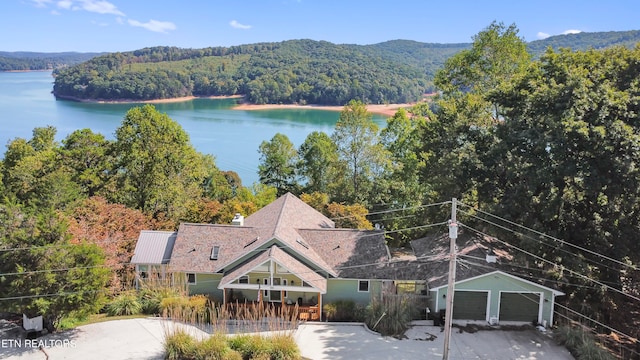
(191, 278)
(215, 251)
(363, 285)
(244, 279)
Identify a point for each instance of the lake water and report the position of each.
(232, 136)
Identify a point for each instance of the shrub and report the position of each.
(179, 346)
(151, 298)
(284, 347)
(252, 346)
(343, 310)
(581, 344)
(124, 304)
(216, 348)
(170, 306)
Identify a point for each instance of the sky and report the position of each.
(124, 25)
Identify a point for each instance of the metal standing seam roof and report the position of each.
(154, 247)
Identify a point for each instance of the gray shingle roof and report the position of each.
(307, 235)
(351, 253)
(154, 247)
(432, 254)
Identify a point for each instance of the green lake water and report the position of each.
(232, 136)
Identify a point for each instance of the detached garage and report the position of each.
(498, 297)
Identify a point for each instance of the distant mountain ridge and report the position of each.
(293, 71)
(27, 60)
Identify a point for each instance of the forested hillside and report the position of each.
(295, 71)
(26, 61)
(585, 41)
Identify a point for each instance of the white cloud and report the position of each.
(41, 3)
(100, 7)
(154, 25)
(542, 35)
(65, 4)
(237, 25)
(120, 20)
(567, 32)
(55, 12)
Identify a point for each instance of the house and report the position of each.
(289, 253)
(152, 254)
(487, 287)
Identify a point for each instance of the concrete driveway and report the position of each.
(328, 341)
(142, 339)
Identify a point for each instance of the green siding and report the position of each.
(347, 289)
(206, 284)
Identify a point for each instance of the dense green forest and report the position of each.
(295, 71)
(28, 61)
(543, 153)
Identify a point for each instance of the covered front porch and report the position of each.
(275, 280)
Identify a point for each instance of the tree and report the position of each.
(318, 155)
(497, 55)
(460, 129)
(88, 156)
(159, 171)
(277, 164)
(569, 156)
(43, 273)
(401, 186)
(345, 216)
(33, 174)
(114, 228)
(360, 152)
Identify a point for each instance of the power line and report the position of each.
(538, 240)
(395, 210)
(554, 264)
(633, 266)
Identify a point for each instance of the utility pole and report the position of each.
(453, 235)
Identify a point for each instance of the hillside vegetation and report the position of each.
(295, 71)
(30, 61)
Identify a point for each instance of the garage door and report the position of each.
(519, 307)
(470, 305)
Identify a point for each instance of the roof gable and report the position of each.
(285, 260)
(516, 278)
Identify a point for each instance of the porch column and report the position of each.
(319, 306)
(224, 296)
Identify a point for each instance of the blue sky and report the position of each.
(122, 25)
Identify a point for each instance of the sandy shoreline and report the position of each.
(155, 101)
(383, 109)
